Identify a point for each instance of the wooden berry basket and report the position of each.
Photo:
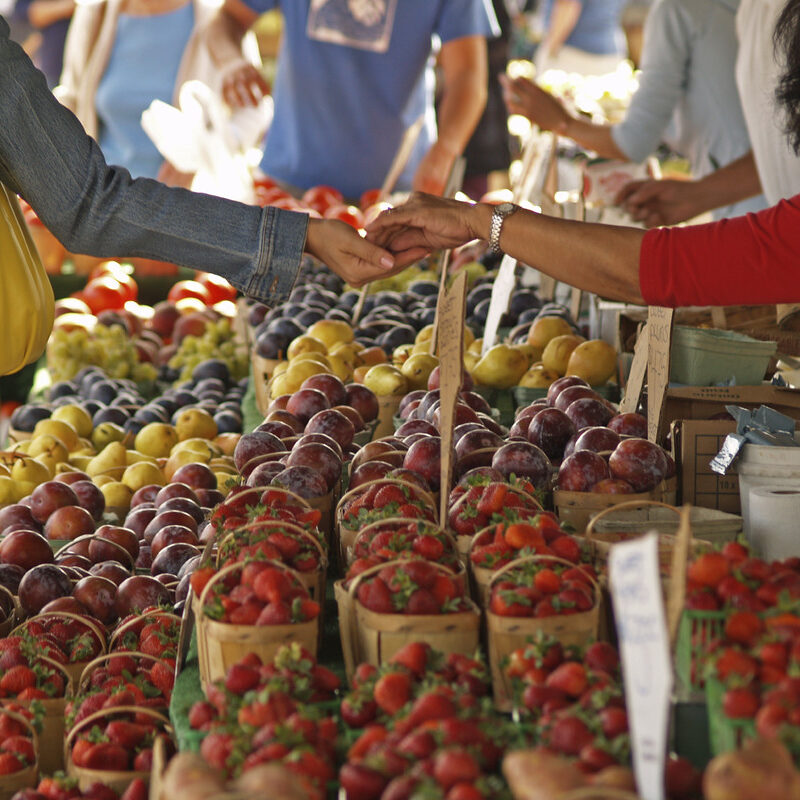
(399, 522)
(387, 408)
(372, 637)
(28, 776)
(51, 738)
(82, 684)
(220, 644)
(75, 668)
(123, 628)
(261, 372)
(346, 536)
(507, 634)
(578, 508)
(114, 779)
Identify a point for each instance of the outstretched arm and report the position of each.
(603, 259)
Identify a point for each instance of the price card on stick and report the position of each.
(635, 585)
(451, 367)
(659, 323)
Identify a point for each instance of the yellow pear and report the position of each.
(142, 474)
(544, 329)
(305, 344)
(79, 461)
(50, 446)
(424, 335)
(180, 458)
(420, 348)
(101, 480)
(48, 461)
(558, 350)
(21, 447)
(111, 460)
(30, 470)
(204, 449)
(300, 370)
(8, 491)
(471, 360)
(401, 354)
(316, 358)
(501, 367)
(346, 350)
(359, 373)
(58, 428)
(537, 377)
(24, 488)
(117, 494)
(75, 415)
(418, 368)
(331, 331)
(134, 457)
(226, 442)
(595, 361)
(279, 385)
(341, 368)
(532, 353)
(193, 423)
(5, 471)
(227, 480)
(476, 346)
(86, 444)
(386, 379)
(107, 432)
(156, 439)
(224, 463)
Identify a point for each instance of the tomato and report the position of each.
(218, 288)
(350, 214)
(267, 196)
(184, 289)
(322, 197)
(104, 293)
(369, 198)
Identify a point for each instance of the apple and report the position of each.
(639, 462)
(138, 593)
(98, 596)
(581, 471)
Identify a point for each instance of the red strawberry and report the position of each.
(570, 678)
(201, 715)
(387, 494)
(454, 765)
(602, 656)
(428, 547)
(271, 585)
(144, 760)
(422, 601)
(9, 763)
(137, 790)
(107, 756)
(567, 548)
(126, 734)
(17, 679)
(241, 679)
(377, 597)
(21, 746)
(277, 613)
(216, 749)
(120, 664)
(432, 705)
(288, 546)
(414, 657)
(359, 782)
(392, 691)
(569, 735)
(492, 499)
(246, 614)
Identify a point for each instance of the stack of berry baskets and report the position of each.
(533, 595)
(503, 542)
(379, 500)
(477, 503)
(114, 746)
(388, 605)
(19, 751)
(252, 607)
(79, 637)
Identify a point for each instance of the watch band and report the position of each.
(499, 215)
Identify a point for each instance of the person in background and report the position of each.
(354, 75)
(488, 150)
(750, 259)
(122, 54)
(51, 18)
(583, 36)
(47, 158)
(687, 96)
(633, 18)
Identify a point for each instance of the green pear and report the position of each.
(111, 457)
(501, 367)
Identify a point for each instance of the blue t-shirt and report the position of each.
(598, 29)
(351, 79)
(143, 67)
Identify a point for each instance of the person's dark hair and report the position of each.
(787, 44)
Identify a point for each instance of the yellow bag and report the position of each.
(26, 296)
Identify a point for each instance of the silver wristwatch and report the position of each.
(499, 215)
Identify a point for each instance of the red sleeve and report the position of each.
(750, 260)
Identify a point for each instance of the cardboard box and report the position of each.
(695, 443)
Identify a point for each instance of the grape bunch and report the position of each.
(217, 342)
(108, 347)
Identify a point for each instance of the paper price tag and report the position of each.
(451, 366)
(498, 305)
(644, 648)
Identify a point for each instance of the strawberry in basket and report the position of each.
(398, 539)
(74, 639)
(61, 787)
(260, 594)
(26, 669)
(385, 500)
(155, 634)
(483, 503)
(543, 589)
(512, 538)
(414, 586)
(298, 548)
(16, 740)
(249, 504)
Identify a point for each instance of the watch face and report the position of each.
(505, 208)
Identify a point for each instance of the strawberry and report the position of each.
(393, 691)
(422, 601)
(569, 677)
(17, 679)
(453, 765)
(21, 746)
(80, 750)
(271, 585)
(246, 614)
(414, 657)
(602, 656)
(241, 679)
(492, 499)
(360, 781)
(377, 597)
(10, 763)
(216, 749)
(429, 706)
(569, 735)
(143, 762)
(107, 756)
(126, 734)
(137, 790)
(277, 613)
(428, 546)
(288, 546)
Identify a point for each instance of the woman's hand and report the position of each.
(351, 257)
(659, 202)
(425, 223)
(540, 107)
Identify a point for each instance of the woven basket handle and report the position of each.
(277, 524)
(628, 504)
(382, 482)
(102, 713)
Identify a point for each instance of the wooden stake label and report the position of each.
(451, 366)
(677, 581)
(635, 384)
(659, 323)
(635, 585)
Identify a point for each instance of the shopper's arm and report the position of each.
(564, 17)
(603, 259)
(668, 202)
(42, 13)
(463, 62)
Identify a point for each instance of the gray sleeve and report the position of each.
(666, 54)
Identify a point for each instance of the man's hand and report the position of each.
(423, 224)
(434, 170)
(352, 258)
(243, 85)
(655, 203)
(540, 107)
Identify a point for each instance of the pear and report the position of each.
(543, 329)
(558, 350)
(117, 494)
(156, 439)
(60, 429)
(107, 432)
(227, 480)
(418, 368)
(80, 461)
(401, 354)
(101, 480)
(53, 448)
(305, 344)
(385, 380)
(142, 474)
(31, 471)
(532, 353)
(280, 368)
(347, 351)
(341, 369)
(75, 415)
(279, 385)
(113, 457)
(471, 360)
(537, 377)
(202, 448)
(595, 361)
(180, 458)
(134, 457)
(4, 472)
(331, 331)
(191, 423)
(501, 367)
(227, 442)
(8, 491)
(424, 335)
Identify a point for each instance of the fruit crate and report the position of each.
(697, 629)
(725, 734)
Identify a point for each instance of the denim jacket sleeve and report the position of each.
(91, 207)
